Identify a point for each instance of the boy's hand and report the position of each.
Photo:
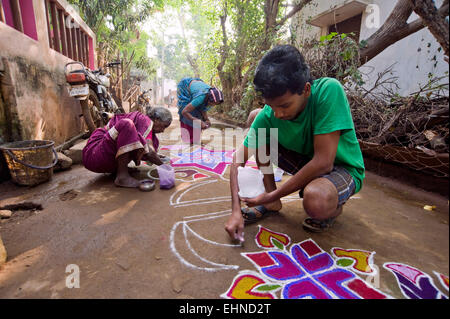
(262, 199)
(235, 226)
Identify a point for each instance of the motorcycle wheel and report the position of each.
(92, 111)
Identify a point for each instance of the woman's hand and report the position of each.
(205, 120)
(164, 159)
(205, 125)
(152, 156)
(137, 156)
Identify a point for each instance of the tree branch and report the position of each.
(124, 70)
(437, 24)
(394, 29)
(293, 11)
(224, 47)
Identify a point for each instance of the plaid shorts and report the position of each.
(291, 162)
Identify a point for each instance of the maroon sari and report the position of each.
(190, 135)
(123, 133)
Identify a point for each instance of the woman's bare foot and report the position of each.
(126, 181)
(123, 178)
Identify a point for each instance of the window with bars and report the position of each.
(19, 14)
(66, 36)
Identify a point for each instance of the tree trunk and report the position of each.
(437, 25)
(225, 80)
(396, 28)
(234, 80)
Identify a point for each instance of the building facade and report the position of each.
(37, 39)
(413, 59)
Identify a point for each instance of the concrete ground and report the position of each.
(172, 243)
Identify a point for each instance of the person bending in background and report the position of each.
(194, 99)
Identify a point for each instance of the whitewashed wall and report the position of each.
(413, 55)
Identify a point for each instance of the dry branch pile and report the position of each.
(412, 131)
(412, 122)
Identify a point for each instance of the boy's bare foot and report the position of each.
(274, 206)
(126, 181)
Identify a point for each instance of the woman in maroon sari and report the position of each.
(126, 137)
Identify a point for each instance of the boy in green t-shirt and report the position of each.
(315, 142)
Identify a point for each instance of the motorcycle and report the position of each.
(144, 101)
(91, 89)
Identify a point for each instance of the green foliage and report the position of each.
(238, 113)
(117, 25)
(223, 56)
(187, 52)
(122, 14)
(226, 60)
(362, 44)
(176, 66)
(250, 98)
(334, 55)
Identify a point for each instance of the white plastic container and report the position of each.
(250, 182)
(278, 172)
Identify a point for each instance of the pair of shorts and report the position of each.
(291, 162)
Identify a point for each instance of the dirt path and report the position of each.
(172, 243)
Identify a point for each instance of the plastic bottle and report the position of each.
(250, 182)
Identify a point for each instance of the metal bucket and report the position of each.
(30, 162)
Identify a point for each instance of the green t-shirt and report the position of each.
(327, 110)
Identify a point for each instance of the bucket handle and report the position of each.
(33, 166)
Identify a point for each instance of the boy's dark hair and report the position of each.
(282, 68)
